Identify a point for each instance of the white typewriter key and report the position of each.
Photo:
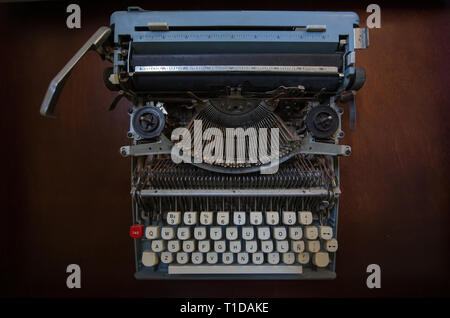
(311, 232)
(263, 233)
(166, 257)
(231, 233)
(174, 218)
(223, 217)
(313, 246)
(158, 246)
(206, 218)
(282, 246)
(273, 258)
(189, 246)
(152, 232)
(305, 217)
(204, 246)
(295, 233)
(173, 246)
(227, 258)
(242, 258)
(251, 246)
(258, 258)
(331, 245)
(197, 258)
(190, 217)
(279, 233)
(326, 232)
(167, 233)
(288, 258)
(289, 217)
(303, 258)
(256, 218)
(239, 218)
(272, 217)
(149, 258)
(183, 233)
(215, 233)
(200, 233)
(267, 246)
(211, 257)
(234, 269)
(298, 246)
(248, 233)
(321, 259)
(235, 246)
(182, 258)
(219, 246)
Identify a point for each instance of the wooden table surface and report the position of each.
(65, 194)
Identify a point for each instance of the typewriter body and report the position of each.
(243, 216)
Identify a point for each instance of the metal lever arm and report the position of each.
(57, 84)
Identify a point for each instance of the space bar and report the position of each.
(235, 269)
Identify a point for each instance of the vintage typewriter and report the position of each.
(241, 215)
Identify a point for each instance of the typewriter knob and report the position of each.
(107, 72)
(148, 122)
(358, 79)
(322, 121)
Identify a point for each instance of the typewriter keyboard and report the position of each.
(224, 242)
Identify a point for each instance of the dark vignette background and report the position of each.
(65, 188)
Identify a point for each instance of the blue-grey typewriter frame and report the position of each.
(258, 31)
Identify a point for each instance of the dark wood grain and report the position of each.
(65, 191)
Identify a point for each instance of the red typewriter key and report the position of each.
(136, 231)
